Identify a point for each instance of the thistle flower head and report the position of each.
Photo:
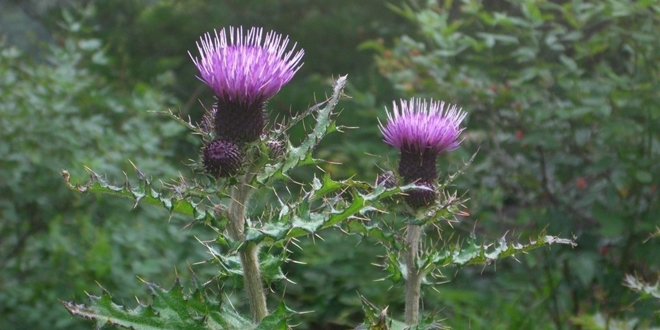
(419, 127)
(421, 131)
(246, 69)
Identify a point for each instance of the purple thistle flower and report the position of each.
(421, 131)
(244, 71)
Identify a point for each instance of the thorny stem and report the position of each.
(240, 195)
(413, 275)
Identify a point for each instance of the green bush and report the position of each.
(58, 113)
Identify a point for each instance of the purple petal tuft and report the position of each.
(419, 126)
(246, 69)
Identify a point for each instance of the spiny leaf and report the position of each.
(297, 219)
(377, 319)
(383, 236)
(170, 309)
(143, 192)
(470, 253)
(374, 317)
(302, 154)
(276, 320)
(232, 270)
(481, 254)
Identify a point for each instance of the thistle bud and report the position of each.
(276, 149)
(421, 197)
(222, 158)
(208, 120)
(387, 178)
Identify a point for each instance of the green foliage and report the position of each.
(168, 309)
(56, 112)
(434, 258)
(377, 319)
(292, 220)
(562, 104)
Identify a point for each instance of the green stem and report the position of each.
(240, 195)
(413, 275)
(253, 285)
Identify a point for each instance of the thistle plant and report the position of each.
(244, 71)
(421, 131)
(244, 156)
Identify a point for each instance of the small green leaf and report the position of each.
(374, 317)
(643, 176)
(276, 320)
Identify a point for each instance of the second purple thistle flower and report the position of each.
(244, 70)
(421, 131)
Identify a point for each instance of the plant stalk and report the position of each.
(253, 284)
(413, 275)
(240, 196)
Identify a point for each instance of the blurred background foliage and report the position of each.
(563, 107)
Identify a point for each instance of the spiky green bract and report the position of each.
(316, 209)
(230, 268)
(172, 309)
(374, 317)
(300, 217)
